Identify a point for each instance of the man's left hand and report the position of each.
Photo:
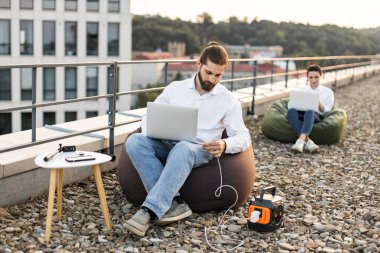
(216, 148)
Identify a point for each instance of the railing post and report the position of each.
(34, 100)
(166, 74)
(286, 75)
(271, 75)
(336, 80)
(112, 109)
(232, 75)
(254, 82)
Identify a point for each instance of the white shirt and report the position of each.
(217, 110)
(326, 96)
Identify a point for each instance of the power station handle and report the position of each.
(267, 189)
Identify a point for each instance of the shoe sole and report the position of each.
(312, 150)
(131, 227)
(165, 221)
(297, 150)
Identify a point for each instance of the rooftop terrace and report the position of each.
(312, 186)
(332, 200)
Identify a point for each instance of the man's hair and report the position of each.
(215, 53)
(314, 67)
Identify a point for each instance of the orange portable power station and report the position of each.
(266, 212)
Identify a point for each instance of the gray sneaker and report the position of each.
(176, 212)
(139, 223)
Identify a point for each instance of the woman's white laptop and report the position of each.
(303, 100)
(171, 122)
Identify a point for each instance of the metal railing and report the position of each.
(344, 63)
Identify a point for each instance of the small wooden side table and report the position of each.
(56, 166)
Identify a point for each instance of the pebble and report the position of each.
(234, 228)
(286, 246)
(9, 229)
(331, 201)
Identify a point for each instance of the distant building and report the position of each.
(178, 49)
(248, 51)
(187, 70)
(64, 31)
(147, 73)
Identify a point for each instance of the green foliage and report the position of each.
(153, 32)
(143, 98)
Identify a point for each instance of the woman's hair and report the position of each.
(215, 53)
(314, 67)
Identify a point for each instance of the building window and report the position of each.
(91, 81)
(113, 39)
(113, 5)
(70, 116)
(91, 114)
(5, 84)
(26, 4)
(71, 5)
(26, 121)
(5, 4)
(5, 37)
(70, 83)
(5, 123)
(27, 78)
(70, 38)
(26, 37)
(49, 83)
(48, 37)
(92, 38)
(49, 118)
(48, 4)
(109, 81)
(92, 5)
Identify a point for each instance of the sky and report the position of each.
(344, 13)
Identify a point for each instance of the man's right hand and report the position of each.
(216, 148)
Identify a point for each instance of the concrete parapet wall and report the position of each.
(20, 179)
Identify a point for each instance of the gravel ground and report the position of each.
(331, 200)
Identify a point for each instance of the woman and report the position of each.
(302, 122)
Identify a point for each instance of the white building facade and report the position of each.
(61, 31)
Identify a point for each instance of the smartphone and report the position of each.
(80, 158)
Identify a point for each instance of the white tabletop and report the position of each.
(59, 162)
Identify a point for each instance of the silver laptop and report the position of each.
(303, 100)
(171, 122)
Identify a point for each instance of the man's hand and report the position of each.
(321, 107)
(216, 148)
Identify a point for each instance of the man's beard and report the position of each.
(205, 85)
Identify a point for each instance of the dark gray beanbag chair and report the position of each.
(199, 189)
(275, 125)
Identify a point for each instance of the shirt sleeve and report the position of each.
(328, 100)
(239, 138)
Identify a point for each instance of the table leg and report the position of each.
(102, 196)
(49, 216)
(59, 194)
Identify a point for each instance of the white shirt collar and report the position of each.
(214, 91)
(319, 88)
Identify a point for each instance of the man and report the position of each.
(218, 109)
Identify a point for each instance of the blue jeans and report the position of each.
(162, 182)
(302, 122)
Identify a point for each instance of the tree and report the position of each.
(143, 98)
(205, 25)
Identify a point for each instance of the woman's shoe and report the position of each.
(311, 146)
(298, 146)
